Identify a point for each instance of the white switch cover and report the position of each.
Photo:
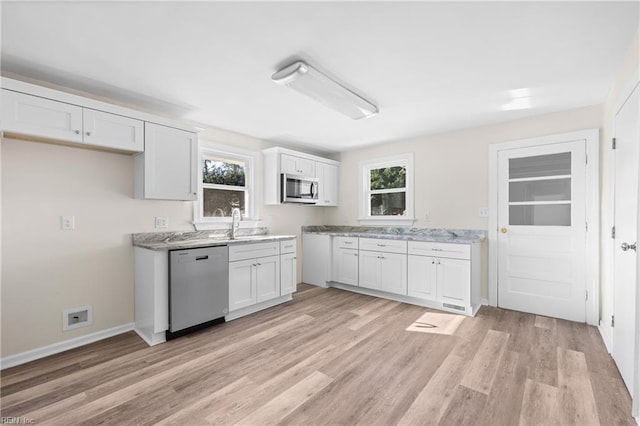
(483, 212)
(162, 222)
(68, 223)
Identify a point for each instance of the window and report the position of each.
(387, 191)
(226, 183)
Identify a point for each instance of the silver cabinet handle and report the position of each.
(77, 132)
(88, 133)
(627, 246)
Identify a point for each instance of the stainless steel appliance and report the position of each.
(198, 289)
(298, 189)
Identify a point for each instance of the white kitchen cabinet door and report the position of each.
(347, 266)
(327, 175)
(267, 278)
(242, 284)
(393, 273)
(316, 259)
(293, 165)
(454, 281)
(113, 131)
(421, 277)
(369, 269)
(169, 164)
(36, 116)
(288, 273)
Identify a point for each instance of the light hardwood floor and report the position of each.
(332, 357)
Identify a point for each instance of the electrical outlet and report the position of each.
(483, 212)
(68, 223)
(77, 317)
(162, 222)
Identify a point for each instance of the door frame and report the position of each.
(592, 182)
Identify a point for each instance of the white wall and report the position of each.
(451, 169)
(627, 76)
(46, 270)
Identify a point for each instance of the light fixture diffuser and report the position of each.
(311, 82)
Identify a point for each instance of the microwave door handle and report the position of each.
(313, 192)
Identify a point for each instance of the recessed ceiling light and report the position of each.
(520, 99)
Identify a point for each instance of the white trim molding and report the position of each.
(65, 345)
(364, 217)
(592, 261)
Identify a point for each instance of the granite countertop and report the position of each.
(195, 239)
(440, 235)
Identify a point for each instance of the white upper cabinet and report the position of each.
(167, 170)
(281, 160)
(294, 165)
(40, 117)
(113, 131)
(327, 175)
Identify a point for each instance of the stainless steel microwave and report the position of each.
(298, 189)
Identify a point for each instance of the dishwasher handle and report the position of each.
(202, 257)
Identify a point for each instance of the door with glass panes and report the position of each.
(542, 230)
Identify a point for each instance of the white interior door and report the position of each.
(542, 229)
(625, 222)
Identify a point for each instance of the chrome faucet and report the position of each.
(235, 225)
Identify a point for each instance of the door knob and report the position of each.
(503, 230)
(627, 246)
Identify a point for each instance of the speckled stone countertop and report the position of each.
(194, 239)
(457, 236)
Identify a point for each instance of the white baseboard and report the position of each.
(24, 357)
(484, 302)
(606, 337)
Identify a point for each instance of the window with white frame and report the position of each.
(387, 190)
(226, 183)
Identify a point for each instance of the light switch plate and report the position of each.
(68, 223)
(162, 222)
(483, 212)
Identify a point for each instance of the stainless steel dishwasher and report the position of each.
(198, 289)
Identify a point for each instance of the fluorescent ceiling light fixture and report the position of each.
(311, 82)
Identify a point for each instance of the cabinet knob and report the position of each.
(88, 133)
(503, 230)
(77, 132)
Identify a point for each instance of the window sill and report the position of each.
(226, 224)
(387, 221)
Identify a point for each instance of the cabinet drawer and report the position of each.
(252, 251)
(453, 251)
(389, 246)
(287, 246)
(346, 242)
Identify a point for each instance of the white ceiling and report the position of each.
(429, 66)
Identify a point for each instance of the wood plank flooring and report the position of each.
(331, 357)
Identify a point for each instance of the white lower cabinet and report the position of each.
(261, 272)
(445, 273)
(369, 269)
(253, 281)
(383, 265)
(421, 276)
(439, 275)
(442, 279)
(288, 273)
(346, 270)
(345, 260)
(267, 278)
(454, 281)
(383, 271)
(242, 284)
